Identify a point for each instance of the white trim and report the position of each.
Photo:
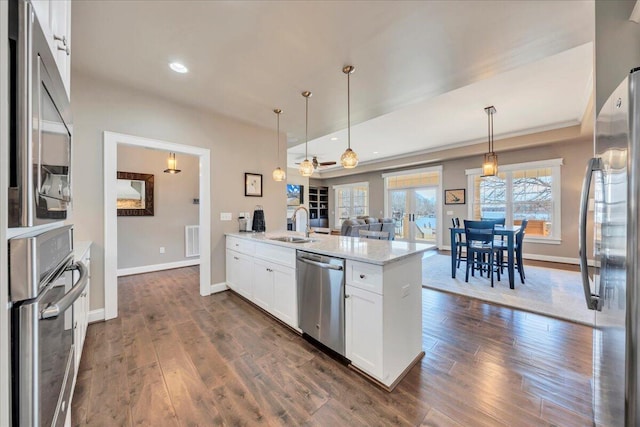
(538, 164)
(355, 184)
(157, 267)
(542, 240)
(96, 315)
(111, 141)
(219, 287)
(413, 171)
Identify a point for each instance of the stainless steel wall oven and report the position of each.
(42, 335)
(40, 121)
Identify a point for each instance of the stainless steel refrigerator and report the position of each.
(611, 190)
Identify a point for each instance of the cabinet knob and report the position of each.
(65, 49)
(236, 258)
(347, 296)
(362, 276)
(62, 39)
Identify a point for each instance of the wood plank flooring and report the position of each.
(174, 358)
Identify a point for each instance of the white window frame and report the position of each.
(335, 188)
(555, 238)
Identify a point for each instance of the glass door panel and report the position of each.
(399, 212)
(414, 213)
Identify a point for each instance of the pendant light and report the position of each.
(490, 164)
(278, 174)
(349, 158)
(171, 164)
(306, 167)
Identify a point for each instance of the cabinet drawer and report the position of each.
(240, 245)
(365, 276)
(278, 254)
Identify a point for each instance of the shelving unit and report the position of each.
(319, 206)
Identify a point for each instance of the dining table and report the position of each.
(508, 231)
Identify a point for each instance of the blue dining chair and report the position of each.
(459, 243)
(480, 248)
(517, 248)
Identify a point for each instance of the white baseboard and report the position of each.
(548, 258)
(157, 267)
(219, 287)
(96, 315)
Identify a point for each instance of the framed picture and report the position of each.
(454, 197)
(135, 194)
(253, 184)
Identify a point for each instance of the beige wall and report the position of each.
(140, 237)
(575, 155)
(236, 147)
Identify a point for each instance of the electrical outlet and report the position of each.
(161, 249)
(449, 212)
(225, 216)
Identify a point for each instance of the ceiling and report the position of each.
(424, 70)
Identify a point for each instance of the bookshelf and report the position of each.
(318, 206)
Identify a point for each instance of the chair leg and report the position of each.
(466, 276)
(520, 267)
(490, 267)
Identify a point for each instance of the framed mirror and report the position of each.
(135, 194)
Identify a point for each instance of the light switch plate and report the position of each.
(225, 216)
(449, 212)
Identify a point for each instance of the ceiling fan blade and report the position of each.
(327, 163)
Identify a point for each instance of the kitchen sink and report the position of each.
(291, 239)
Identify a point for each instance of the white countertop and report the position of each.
(373, 251)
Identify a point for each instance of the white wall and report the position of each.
(236, 147)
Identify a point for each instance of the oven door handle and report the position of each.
(60, 306)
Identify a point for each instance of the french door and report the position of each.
(414, 213)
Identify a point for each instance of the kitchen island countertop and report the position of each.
(379, 252)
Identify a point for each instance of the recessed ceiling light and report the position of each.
(178, 67)
(375, 152)
(334, 138)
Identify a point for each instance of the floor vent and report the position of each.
(192, 240)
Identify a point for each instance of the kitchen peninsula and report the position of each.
(382, 293)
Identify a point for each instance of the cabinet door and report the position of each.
(363, 330)
(263, 274)
(285, 295)
(60, 18)
(239, 273)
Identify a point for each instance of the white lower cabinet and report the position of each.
(239, 273)
(265, 275)
(363, 329)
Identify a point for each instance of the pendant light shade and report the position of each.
(171, 164)
(490, 164)
(278, 173)
(349, 158)
(306, 167)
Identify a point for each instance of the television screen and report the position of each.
(295, 195)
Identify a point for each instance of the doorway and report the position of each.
(111, 142)
(412, 200)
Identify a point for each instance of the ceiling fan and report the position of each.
(316, 164)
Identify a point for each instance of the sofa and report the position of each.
(352, 227)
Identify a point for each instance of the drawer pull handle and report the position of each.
(62, 39)
(347, 296)
(362, 276)
(65, 50)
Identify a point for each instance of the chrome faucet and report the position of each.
(293, 219)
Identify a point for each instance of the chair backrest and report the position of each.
(496, 221)
(457, 221)
(379, 235)
(389, 226)
(453, 222)
(520, 235)
(478, 232)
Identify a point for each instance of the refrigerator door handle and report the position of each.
(595, 164)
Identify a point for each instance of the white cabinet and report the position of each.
(81, 306)
(383, 317)
(55, 18)
(285, 295)
(363, 327)
(239, 273)
(264, 274)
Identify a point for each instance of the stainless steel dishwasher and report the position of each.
(321, 299)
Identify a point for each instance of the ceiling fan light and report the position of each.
(306, 168)
(349, 159)
(279, 174)
(490, 164)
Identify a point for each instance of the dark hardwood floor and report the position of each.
(175, 358)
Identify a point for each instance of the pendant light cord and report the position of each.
(306, 128)
(349, 110)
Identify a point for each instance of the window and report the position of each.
(352, 200)
(526, 190)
